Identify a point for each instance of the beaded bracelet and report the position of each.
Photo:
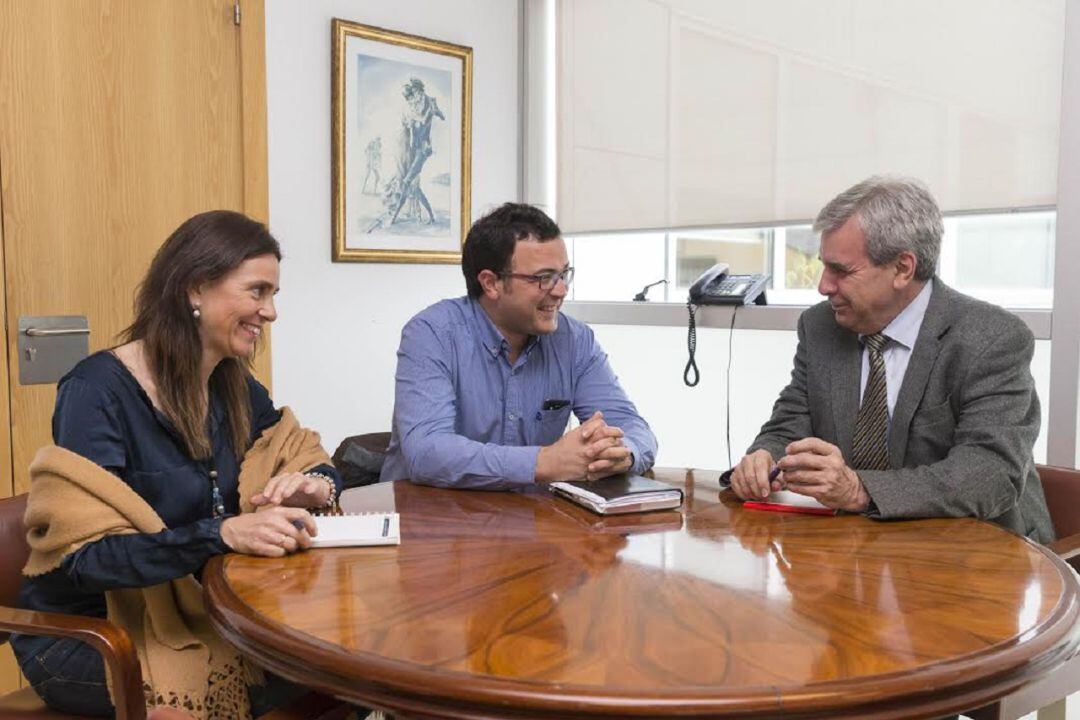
(332, 497)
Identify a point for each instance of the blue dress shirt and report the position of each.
(465, 417)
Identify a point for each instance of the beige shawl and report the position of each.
(184, 663)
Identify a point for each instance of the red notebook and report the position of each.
(787, 501)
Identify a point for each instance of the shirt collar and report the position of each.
(490, 337)
(904, 328)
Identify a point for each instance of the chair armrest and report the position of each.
(1068, 549)
(121, 660)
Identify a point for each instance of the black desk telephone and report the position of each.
(716, 287)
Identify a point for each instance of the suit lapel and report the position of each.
(844, 377)
(935, 323)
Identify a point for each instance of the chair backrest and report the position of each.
(15, 550)
(1062, 489)
(377, 442)
(359, 458)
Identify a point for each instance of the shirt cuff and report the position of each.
(212, 533)
(519, 464)
(637, 465)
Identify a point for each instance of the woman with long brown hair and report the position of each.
(174, 415)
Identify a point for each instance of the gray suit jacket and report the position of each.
(965, 421)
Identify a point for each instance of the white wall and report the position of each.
(335, 340)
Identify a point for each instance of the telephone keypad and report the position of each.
(731, 285)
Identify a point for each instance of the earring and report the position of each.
(195, 312)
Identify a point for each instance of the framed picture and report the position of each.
(402, 146)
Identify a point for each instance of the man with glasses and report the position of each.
(486, 383)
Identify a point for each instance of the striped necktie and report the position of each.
(870, 447)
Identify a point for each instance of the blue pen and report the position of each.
(773, 474)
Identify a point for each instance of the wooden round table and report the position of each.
(513, 605)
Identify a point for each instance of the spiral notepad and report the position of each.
(360, 529)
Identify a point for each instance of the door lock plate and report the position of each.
(49, 346)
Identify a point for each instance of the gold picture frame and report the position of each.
(405, 100)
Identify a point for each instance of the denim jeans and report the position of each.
(70, 677)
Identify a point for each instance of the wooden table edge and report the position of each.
(972, 681)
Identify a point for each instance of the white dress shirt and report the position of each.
(902, 333)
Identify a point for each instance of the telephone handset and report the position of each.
(717, 287)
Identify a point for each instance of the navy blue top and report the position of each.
(103, 414)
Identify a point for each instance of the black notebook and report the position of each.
(620, 494)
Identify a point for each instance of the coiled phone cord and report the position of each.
(691, 346)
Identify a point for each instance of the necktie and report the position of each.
(870, 448)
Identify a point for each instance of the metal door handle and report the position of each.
(53, 332)
(50, 345)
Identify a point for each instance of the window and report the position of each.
(745, 251)
(1004, 258)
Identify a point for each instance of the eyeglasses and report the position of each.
(546, 280)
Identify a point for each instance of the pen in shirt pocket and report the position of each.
(550, 405)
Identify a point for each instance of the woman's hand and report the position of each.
(277, 531)
(293, 490)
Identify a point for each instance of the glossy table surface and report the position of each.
(523, 605)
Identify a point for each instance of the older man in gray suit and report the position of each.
(907, 398)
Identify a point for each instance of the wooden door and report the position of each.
(119, 119)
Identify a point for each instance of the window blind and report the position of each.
(687, 113)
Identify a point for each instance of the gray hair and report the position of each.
(896, 215)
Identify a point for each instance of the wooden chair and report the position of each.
(111, 641)
(1062, 489)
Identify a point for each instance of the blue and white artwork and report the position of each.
(402, 131)
(402, 139)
